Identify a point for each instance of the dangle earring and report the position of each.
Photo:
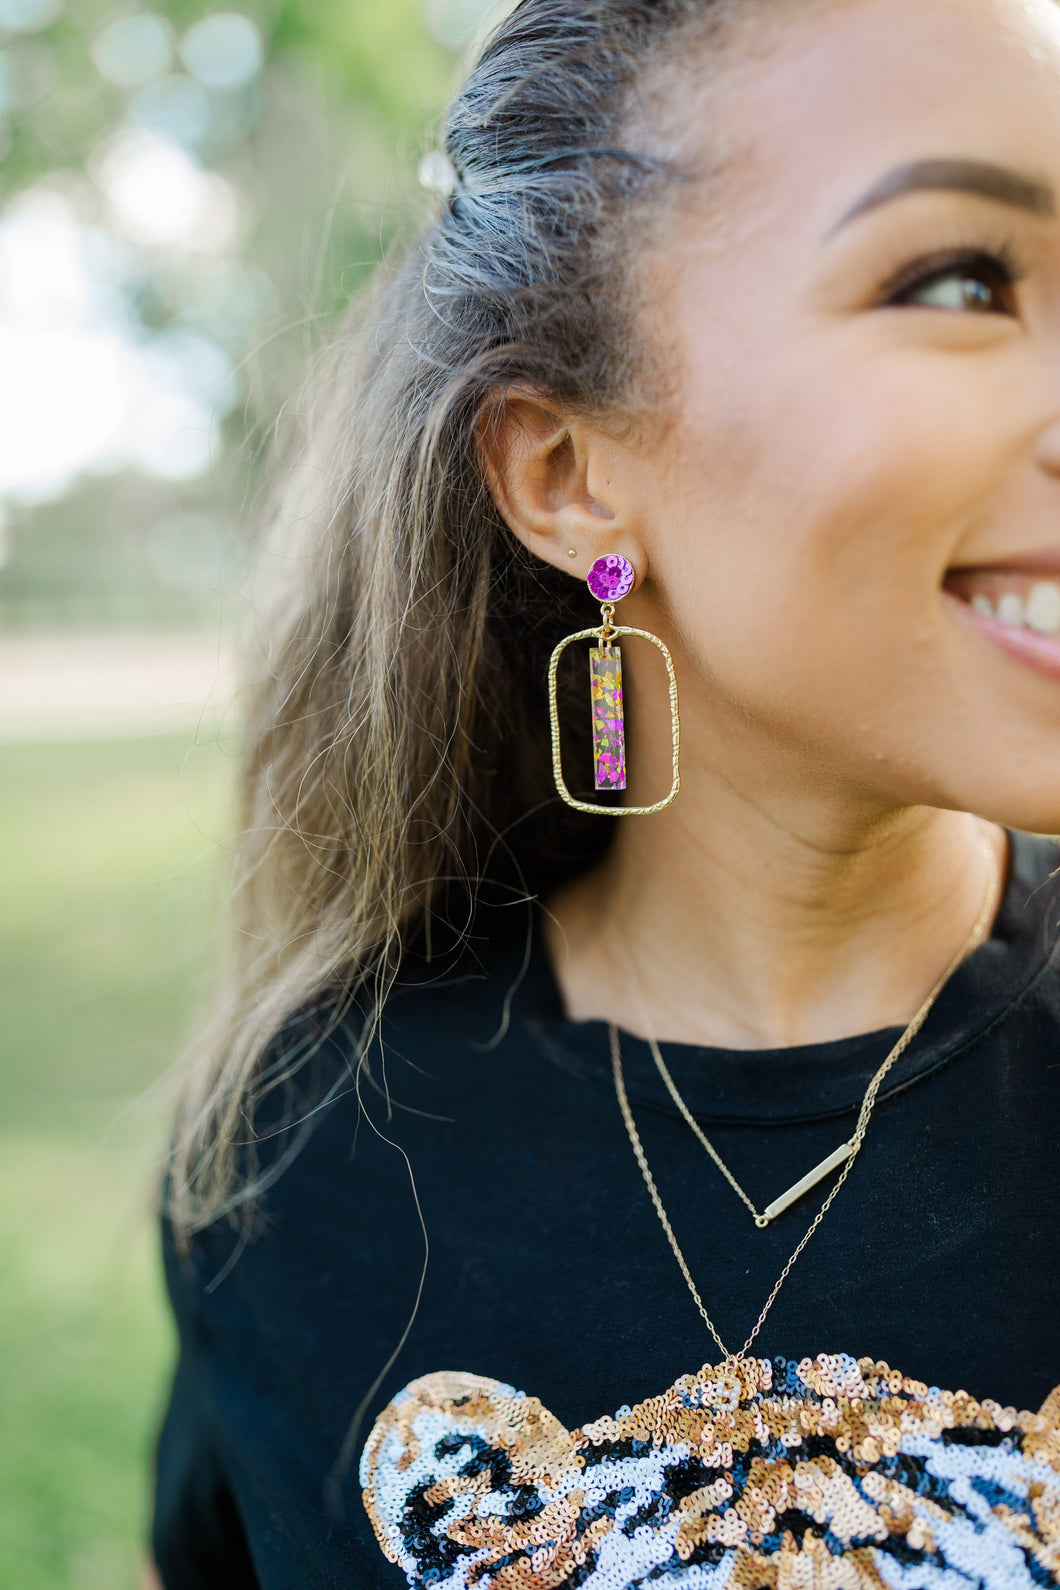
(610, 579)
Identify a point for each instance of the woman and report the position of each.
(749, 314)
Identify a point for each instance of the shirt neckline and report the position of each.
(817, 1081)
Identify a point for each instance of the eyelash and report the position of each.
(999, 265)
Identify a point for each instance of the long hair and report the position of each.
(396, 753)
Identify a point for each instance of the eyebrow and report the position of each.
(999, 183)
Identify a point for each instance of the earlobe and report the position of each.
(537, 466)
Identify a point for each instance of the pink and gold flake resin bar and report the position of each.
(609, 731)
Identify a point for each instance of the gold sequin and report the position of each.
(788, 1475)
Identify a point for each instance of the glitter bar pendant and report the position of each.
(609, 730)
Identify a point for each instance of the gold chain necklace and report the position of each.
(845, 1156)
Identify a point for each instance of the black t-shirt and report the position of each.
(492, 1117)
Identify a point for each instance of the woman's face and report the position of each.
(851, 515)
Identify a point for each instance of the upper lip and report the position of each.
(1045, 561)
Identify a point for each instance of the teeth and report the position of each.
(1043, 608)
(1038, 609)
(1010, 609)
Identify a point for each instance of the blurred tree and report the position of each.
(189, 200)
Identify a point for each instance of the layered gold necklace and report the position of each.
(844, 1155)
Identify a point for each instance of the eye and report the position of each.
(979, 283)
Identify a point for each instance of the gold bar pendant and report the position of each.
(793, 1194)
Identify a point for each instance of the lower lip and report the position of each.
(1040, 652)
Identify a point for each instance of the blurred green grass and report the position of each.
(112, 857)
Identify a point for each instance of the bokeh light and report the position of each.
(26, 16)
(158, 196)
(176, 107)
(80, 386)
(223, 50)
(132, 50)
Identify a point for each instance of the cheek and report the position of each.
(811, 500)
(815, 507)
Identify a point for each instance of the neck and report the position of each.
(735, 922)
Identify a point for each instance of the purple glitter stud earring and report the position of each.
(611, 578)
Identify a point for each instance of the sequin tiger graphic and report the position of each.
(829, 1474)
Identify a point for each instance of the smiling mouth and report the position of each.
(1018, 609)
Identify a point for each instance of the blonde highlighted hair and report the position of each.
(396, 754)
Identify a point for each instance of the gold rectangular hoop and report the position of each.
(675, 725)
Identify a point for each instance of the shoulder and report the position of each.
(1012, 984)
(451, 994)
(1026, 936)
(348, 1083)
(464, 990)
(370, 1136)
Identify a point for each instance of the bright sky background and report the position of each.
(83, 387)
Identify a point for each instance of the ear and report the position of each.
(550, 478)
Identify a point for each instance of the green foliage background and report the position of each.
(322, 147)
(113, 852)
(112, 856)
